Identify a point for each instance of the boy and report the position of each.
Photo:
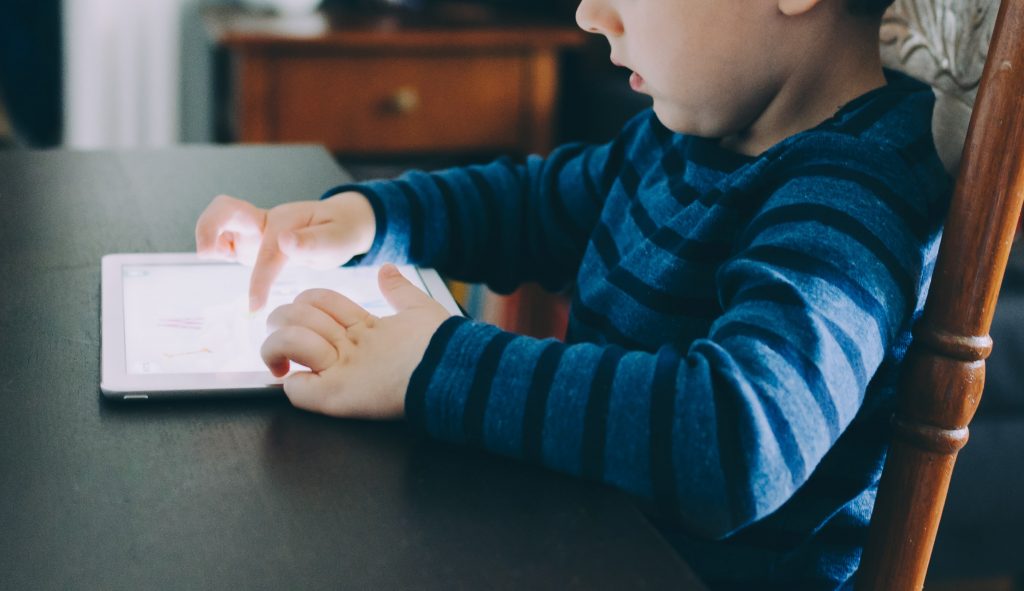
(749, 258)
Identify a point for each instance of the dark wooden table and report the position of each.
(244, 494)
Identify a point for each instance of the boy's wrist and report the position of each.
(416, 392)
(353, 209)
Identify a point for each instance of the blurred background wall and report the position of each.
(30, 71)
(137, 73)
(141, 73)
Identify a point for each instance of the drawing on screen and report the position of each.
(196, 319)
(187, 353)
(183, 323)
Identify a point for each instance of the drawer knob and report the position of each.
(405, 100)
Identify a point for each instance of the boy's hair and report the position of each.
(868, 7)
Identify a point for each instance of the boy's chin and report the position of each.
(688, 122)
(676, 120)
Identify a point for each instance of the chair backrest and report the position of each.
(944, 42)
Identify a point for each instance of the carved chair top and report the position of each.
(943, 43)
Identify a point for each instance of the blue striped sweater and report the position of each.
(735, 333)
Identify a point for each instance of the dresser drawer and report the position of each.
(394, 103)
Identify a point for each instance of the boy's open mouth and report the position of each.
(636, 81)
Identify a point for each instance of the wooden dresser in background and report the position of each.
(455, 80)
(459, 79)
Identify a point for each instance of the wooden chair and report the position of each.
(944, 42)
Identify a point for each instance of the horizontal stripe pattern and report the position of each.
(735, 333)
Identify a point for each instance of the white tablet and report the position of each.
(174, 325)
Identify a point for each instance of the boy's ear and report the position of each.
(796, 7)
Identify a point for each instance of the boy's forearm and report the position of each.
(664, 426)
(502, 223)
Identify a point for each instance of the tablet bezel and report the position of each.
(116, 382)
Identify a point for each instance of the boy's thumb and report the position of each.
(398, 291)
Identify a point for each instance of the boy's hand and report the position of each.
(319, 234)
(360, 364)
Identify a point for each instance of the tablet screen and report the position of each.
(194, 318)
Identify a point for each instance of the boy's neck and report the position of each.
(811, 95)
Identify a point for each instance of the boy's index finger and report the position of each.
(269, 262)
(270, 259)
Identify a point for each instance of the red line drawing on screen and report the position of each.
(186, 353)
(182, 323)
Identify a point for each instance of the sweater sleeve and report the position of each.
(503, 223)
(719, 435)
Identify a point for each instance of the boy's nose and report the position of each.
(596, 16)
